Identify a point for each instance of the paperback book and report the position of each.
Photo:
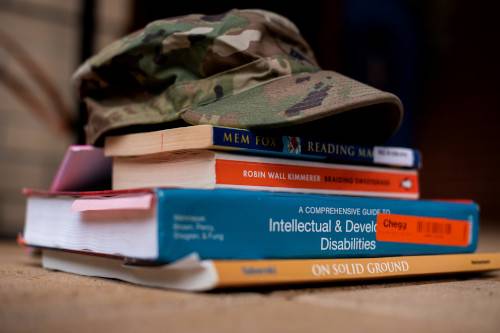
(211, 169)
(249, 142)
(164, 225)
(193, 274)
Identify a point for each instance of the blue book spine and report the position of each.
(236, 224)
(308, 148)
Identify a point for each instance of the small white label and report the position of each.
(393, 156)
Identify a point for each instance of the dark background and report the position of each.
(440, 57)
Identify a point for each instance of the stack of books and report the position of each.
(203, 207)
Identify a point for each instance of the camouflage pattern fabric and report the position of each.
(244, 69)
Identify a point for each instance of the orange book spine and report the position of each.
(264, 272)
(336, 179)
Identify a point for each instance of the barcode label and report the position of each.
(434, 227)
(393, 156)
(422, 230)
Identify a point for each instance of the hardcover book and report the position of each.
(245, 141)
(164, 225)
(194, 275)
(212, 169)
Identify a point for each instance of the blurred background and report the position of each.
(440, 57)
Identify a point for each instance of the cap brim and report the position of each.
(325, 104)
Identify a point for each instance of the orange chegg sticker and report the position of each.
(422, 230)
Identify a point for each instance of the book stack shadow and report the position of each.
(204, 207)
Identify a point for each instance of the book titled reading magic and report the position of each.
(251, 142)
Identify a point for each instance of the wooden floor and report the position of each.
(34, 300)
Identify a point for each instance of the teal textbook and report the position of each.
(165, 225)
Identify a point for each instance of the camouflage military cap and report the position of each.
(244, 69)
